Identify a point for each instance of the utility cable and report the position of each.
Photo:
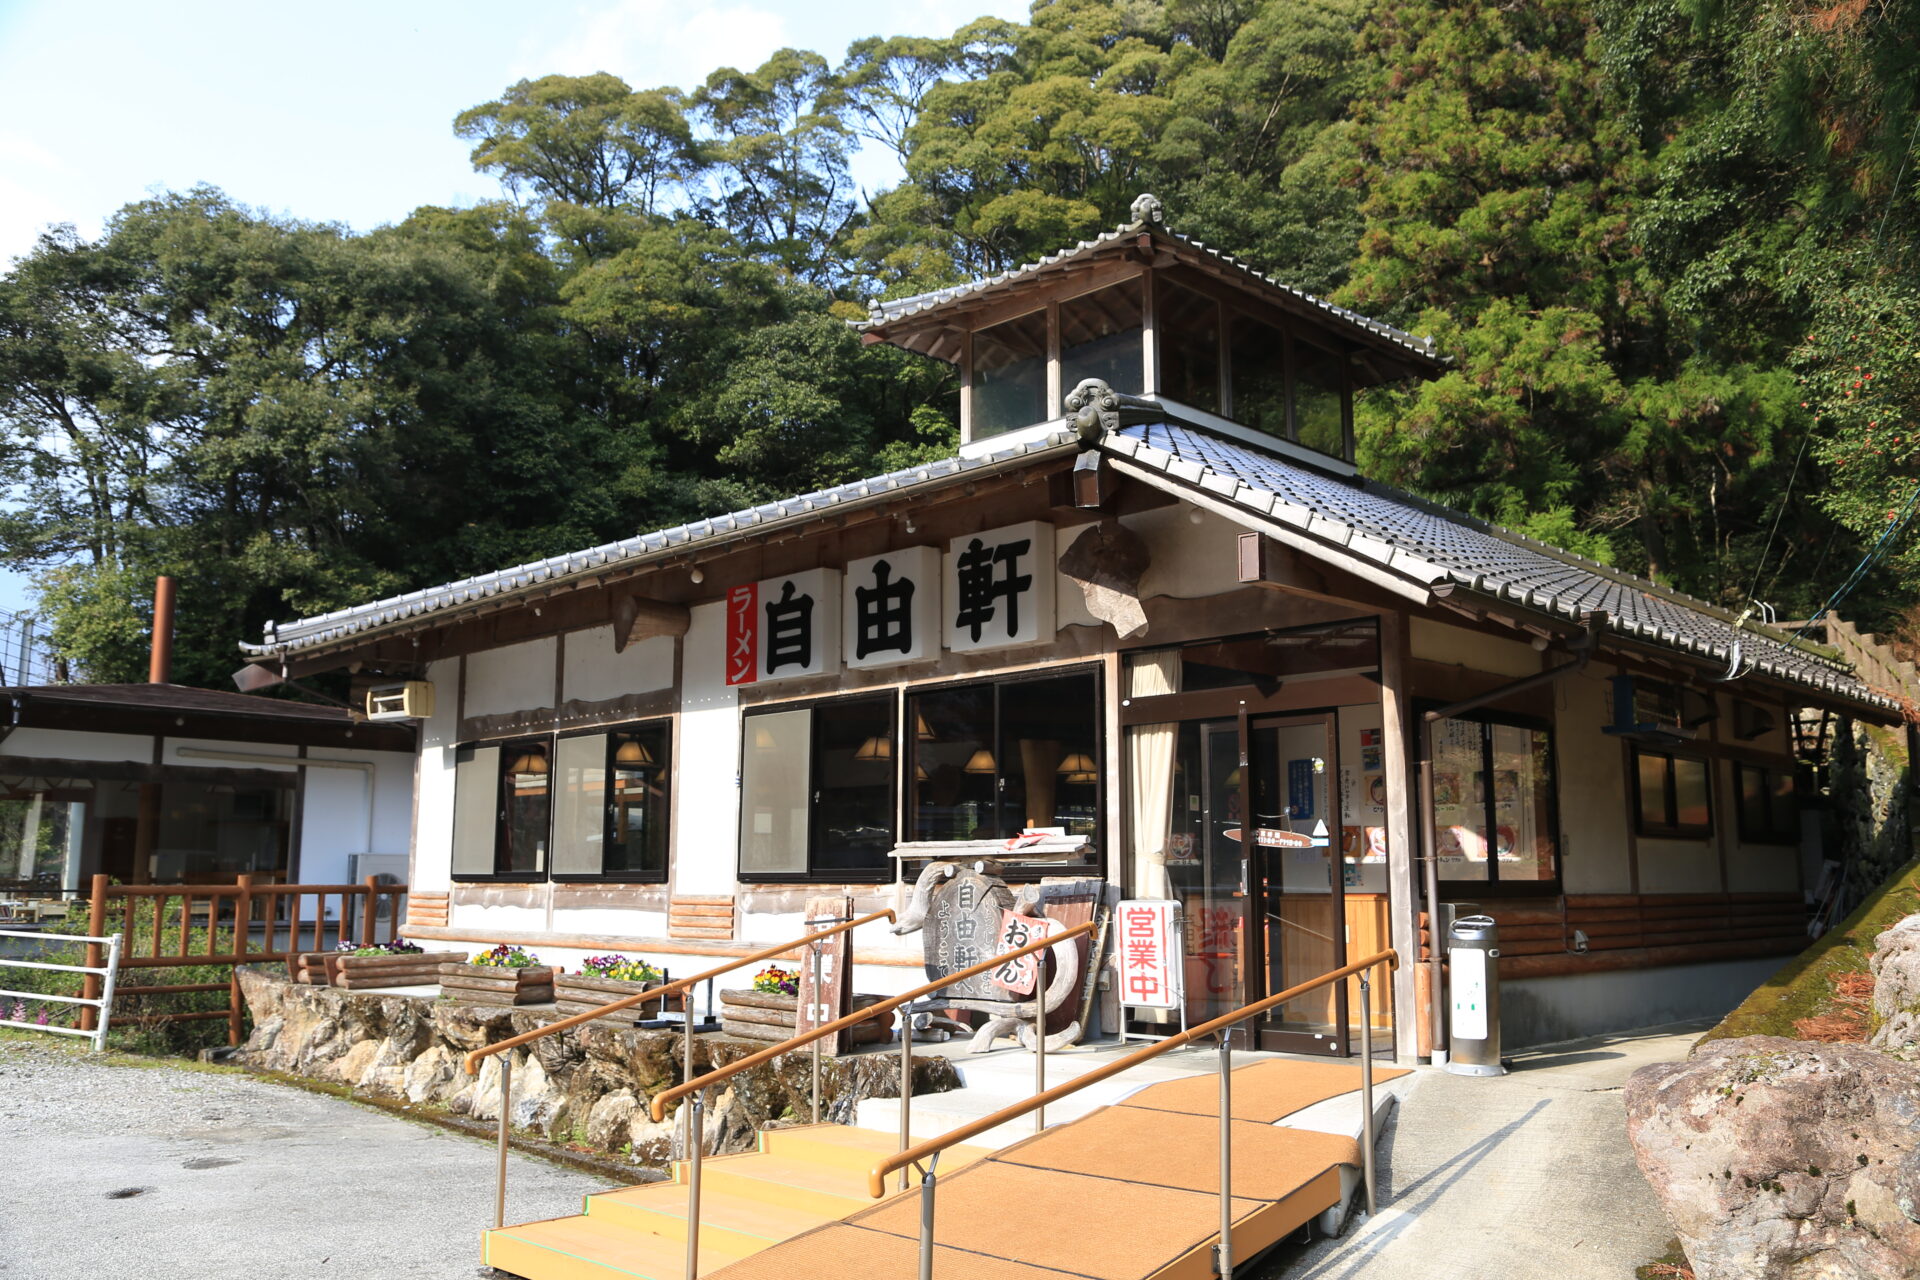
(1866, 562)
(1760, 566)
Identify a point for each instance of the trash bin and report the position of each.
(1473, 953)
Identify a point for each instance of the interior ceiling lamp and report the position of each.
(1078, 769)
(920, 773)
(875, 748)
(980, 761)
(762, 738)
(632, 751)
(921, 730)
(529, 761)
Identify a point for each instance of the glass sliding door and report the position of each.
(1293, 838)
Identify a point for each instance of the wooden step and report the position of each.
(793, 1183)
(729, 1221)
(581, 1248)
(844, 1146)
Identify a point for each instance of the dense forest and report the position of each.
(1670, 245)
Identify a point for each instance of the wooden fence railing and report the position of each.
(228, 924)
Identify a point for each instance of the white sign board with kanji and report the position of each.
(999, 587)
(891, 613)
(1147, 951)
(783, 627)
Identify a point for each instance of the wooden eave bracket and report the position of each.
(1263, 562)
(636, 618)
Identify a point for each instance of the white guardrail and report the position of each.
(104, 1004)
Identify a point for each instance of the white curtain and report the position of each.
(1150, 749)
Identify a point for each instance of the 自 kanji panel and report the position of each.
(780, 628)
(891, 613)
(1000, 587)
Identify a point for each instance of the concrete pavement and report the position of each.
(1527, 1174)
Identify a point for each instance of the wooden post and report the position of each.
(369, 910)
(1400, 729)
(96, 954)
(242, 929)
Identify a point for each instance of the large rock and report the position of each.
(1784, 1159)
(589, 1084)
(1896, 987)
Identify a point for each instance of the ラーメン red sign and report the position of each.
(743, 633)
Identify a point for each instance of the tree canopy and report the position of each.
(1670, 247)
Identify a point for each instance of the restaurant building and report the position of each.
(1151, 606)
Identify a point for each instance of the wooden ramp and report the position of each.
(1130, 1192)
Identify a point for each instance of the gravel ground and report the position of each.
(129, 1169)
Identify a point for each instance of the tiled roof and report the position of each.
(177, 698)
(397, 612)
(1428, 544)
(882, 314)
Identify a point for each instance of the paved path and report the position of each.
(168, 1173)
(1527, 1174)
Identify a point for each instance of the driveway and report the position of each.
(1526, 1174)
(174, 1172)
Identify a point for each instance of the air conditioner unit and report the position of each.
(411, 700)
(1651, 712)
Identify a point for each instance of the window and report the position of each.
(586, 806)
(817, 792)
(1493, 802)
(1769, 805)
(1100, 338)
(1289, 388)
(1188, 331)
(994, 759)
(1257, 372)
(1010, 375)
(610, 818)
(1319, 400)
(1672, 795)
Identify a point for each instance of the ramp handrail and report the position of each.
(929, 1151)
(679, 986)
(695, 1109)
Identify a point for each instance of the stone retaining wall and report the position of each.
(590, 1084)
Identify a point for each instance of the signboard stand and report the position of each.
(1148, 959)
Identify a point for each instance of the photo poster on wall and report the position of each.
(1363, 799)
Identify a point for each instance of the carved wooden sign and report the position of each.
(963, 928)
(834, 995)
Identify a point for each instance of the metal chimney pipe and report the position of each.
(160, 665)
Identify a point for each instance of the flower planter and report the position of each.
(769, 1016)
(405, 969)
(312, 967)
(583, 992)
(489, 984)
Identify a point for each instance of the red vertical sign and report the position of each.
(743, 633)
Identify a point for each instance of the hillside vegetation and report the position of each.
(1670, 246)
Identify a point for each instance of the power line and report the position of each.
(1866, 562)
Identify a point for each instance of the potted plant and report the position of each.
(502, 975)
(387, 964)
(604, 979)
(768, 1010)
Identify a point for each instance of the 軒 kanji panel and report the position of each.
(1146, 951)
(799, 624)
(1000, 587)
(891, 613)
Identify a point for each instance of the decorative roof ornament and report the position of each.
(1093, 408)
(1147, 208)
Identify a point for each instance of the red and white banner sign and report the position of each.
(743, 633)
(1147, 950)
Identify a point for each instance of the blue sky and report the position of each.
(343, 112)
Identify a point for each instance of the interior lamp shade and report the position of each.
(875, 748)
(980, 761)
(632, 751)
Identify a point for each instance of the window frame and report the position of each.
(813, 874)
(551, 740)
(1493, 886)
(1672, 828)
(1095, 866)
(1782, 835)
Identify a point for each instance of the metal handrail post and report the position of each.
(1039, 1039)
(926, 1217)
(106, 992)
(906, 1084)
(698, 1106)
(686, 1113)
(1225, 1248)
(1366, 1086)
(500, 1181)
(814, 1011)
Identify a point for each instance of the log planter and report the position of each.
(407, 969)
(487, 984)
(769, 1016)
(311, 967)
(585, 992)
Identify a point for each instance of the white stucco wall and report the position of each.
(594, 672)
(432, 864)
(706, 765)
(1595, 844)
(1475, 650)
(518, 677)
